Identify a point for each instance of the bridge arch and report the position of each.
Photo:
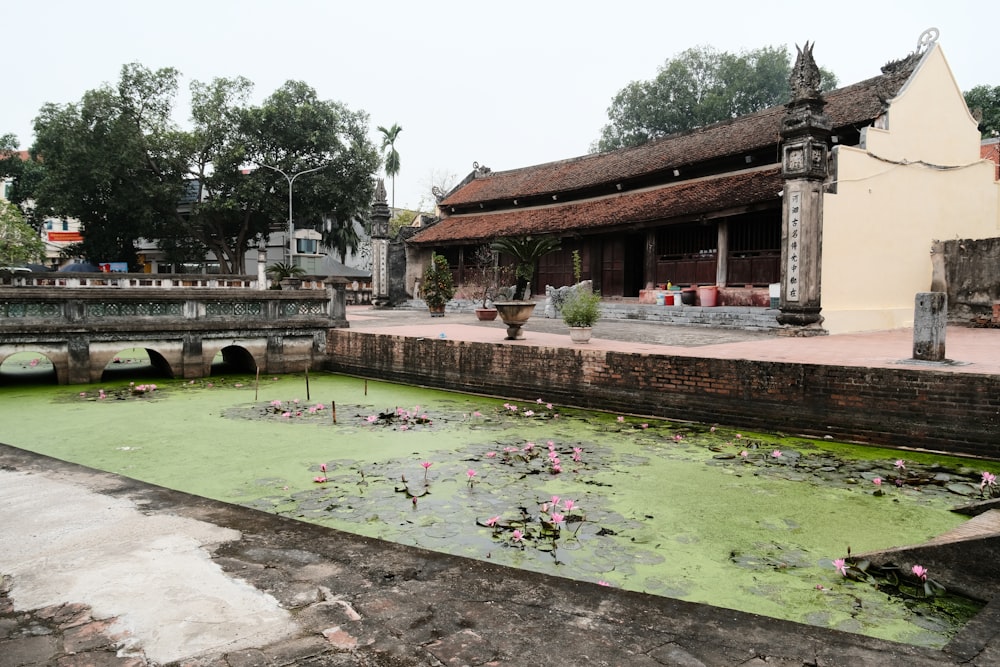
(234, 359)
(164, 357)
(29, 365)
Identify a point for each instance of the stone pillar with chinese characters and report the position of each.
(380, 247)
(805, 134)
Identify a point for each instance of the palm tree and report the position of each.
(525, 250)
(341, 237)
(391, 155)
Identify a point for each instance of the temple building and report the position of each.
(894, 163)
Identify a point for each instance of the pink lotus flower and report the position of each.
(989, 479)
(555, 500)
(841, 566)
(900, 464)
(557, 518)
(426, 464)
(517, 535)
(877, 481)
(471, 473)
(568, 505)
(492, 521)
(920, 572)
(776, 454)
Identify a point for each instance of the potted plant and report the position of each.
(287, 276)
(525, 250)
(438, 286)
(488, 277)
(582, 308)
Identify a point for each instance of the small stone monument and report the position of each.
(930, 320)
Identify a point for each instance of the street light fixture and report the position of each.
(291, 179)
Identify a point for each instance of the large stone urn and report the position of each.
(514, 314)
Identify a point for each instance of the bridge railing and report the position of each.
(158, 280)
(105, 307)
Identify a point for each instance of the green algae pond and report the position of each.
(747, 521)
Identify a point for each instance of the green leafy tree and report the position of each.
(117, 163)
(984, 103)
(295, 131)
(112, 161)
(391, 155)
(19, 241)
(698, 87)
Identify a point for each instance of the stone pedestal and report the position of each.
(930, 320)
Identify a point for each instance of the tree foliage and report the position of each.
(698, 87)
(117, 162)
(19, 241)
(984, 103)
(391, 154)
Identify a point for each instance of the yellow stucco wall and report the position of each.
(921, 179)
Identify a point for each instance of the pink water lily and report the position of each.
(426, 464)
(920, 572)
(322, 466)
(776, 454)
(319, 480)
(517, 535)
(557, 518)
(841, 565)
(989, 479)
(568, 505)
(900, 464)
(492, 521)
(491, 455)
(877, 481)
(620, 419)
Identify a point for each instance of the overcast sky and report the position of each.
(506, 84)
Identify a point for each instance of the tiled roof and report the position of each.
(854, 105)
(649, 168)
(676, 200)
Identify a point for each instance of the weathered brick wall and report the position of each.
(957, 413)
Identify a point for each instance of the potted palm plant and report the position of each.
(438, 286)
(582, 308)
(526, 250)
(286, 275)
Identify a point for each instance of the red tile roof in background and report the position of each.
(685, 198)
(855, 105)
(990, 150)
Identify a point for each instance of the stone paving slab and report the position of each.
(350, 600)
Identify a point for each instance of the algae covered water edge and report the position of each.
(707, 514)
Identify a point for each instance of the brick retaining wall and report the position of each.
(919, 409)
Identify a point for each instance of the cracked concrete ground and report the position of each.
(104, 570)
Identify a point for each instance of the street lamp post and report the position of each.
(291, 179)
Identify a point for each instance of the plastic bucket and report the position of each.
(660, 299)
(709, 295)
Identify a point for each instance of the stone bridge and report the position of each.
(81, 327)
